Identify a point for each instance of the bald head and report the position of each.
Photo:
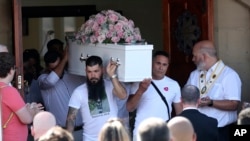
(244, 117)
(3, 48)
(42, 122)
(204, 55)
(181, 129)
(153, 129)
(206, 46)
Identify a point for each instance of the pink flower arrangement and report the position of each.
(108, 26)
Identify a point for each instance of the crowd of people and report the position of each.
(58, 105)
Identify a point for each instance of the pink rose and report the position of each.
(100, 19)
(101, 38)
(93, 39)
(128, 39)
(115, 39)
(112, 18)
(108, 26)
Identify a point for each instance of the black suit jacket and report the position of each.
(204, 126)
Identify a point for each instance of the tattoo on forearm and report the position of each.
(70, 123)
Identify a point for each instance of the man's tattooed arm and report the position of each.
(70, 123)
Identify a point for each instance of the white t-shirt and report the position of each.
(92, 119)
(226, 87)
(151, 104)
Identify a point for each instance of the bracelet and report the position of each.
(113, 76)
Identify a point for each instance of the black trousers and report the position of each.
(224, 132)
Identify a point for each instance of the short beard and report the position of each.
(201, 66)
(96, 90)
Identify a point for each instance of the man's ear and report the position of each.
(199, 100)
(194, 137)
(32, 131)
(11, 72)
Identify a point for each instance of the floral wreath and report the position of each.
(108, 26)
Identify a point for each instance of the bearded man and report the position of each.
(219, 85)
(96, 99)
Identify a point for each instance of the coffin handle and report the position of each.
(116, 61)
(82, 58)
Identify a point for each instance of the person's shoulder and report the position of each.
(230, 70)
(81, 87)
(166, 78)
(209, 119)
(183, 113)
(170, 80)
(195, 72)
(229, 74)
(9, 89)
(212, 121)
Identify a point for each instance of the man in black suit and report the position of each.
(204, 126)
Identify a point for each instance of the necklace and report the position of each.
(204, 85)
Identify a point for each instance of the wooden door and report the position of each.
(18, 48)
(185, 22)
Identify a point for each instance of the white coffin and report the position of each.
(135, 60)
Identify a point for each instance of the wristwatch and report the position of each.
(211, 103)
(113, 76)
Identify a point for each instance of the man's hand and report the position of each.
(144, 84)
(34, 108)
(204, 101)
(111, 68)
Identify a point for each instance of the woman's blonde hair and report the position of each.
(57, 133)
(114, 130)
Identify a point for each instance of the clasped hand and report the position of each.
(35, 107)
(204, 101)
